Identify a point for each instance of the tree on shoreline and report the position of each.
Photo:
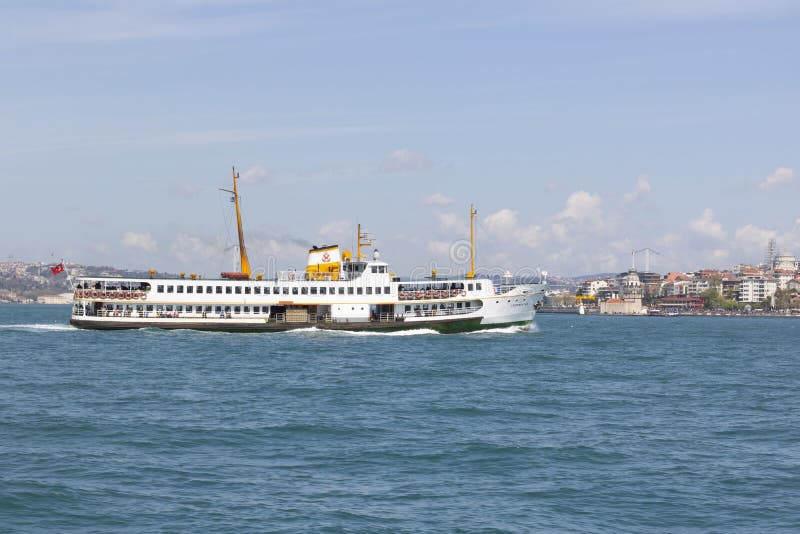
(783, 299)
(712, 300)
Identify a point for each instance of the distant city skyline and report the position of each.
(580, 132)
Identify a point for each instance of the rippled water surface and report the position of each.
(582, 424)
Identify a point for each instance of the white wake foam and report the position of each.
(515, 329)
(398, 333)
(325, 331)
(44, 327)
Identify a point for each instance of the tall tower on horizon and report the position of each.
(770, 253)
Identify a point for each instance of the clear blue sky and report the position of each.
(580, 131)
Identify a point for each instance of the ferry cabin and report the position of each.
(363, 291)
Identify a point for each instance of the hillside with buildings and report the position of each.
(772, 286)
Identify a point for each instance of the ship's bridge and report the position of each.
(368, 270)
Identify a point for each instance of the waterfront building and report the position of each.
(589, 288)
(651, 283)
(794, 285)
(731, 287)
(63, 298)
(630, 293)
(783, 277)
(671, 284)
(676, 289)
(756, 288)
(696, 286)
(786, 262)
(680, 304)
(745, 269)
(607, 293)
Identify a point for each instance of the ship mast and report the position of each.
(472, 213)
(245, 263)
(365, 243)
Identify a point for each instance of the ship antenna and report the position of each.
(472, 213)
(245, 263)
(364, 240)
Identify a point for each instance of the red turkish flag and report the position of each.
(57, 269)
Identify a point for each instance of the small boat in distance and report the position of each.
(337, 291)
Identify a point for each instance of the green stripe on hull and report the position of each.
(462, 326)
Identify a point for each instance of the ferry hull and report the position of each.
(452, 326)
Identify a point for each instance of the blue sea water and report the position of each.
(582, 424)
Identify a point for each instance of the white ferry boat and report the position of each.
(336, 291)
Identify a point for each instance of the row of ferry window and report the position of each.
(276, 290)
(359, 267)
(443, 306)
(190, 309)
(424, 286)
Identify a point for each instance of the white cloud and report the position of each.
(278, 252)
(187, 248)
(504, 225)
(438, 199)
(602, 261)
(752, 239)
(337, 232)
(267, 254)
(404, 160)
(781, 176)
(622, 246)
(498, 262)
(559, 232)
(581, 219)
(581, 206)
(707, 226)
(531, 236)
(439, 248)
(503, 222)
(143, 241)
(254, 174)
(641, 189)
(587, 261)
(720, 254)
(452, 224)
